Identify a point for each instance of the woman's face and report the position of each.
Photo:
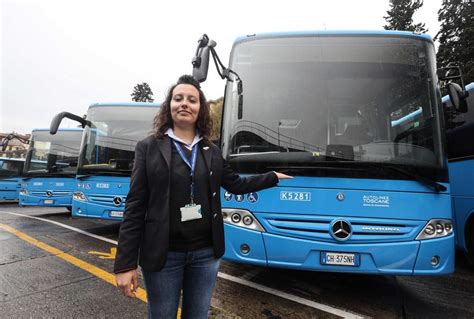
(185, 105)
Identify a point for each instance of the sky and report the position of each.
(63, 55)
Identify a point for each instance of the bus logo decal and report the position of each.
(295, 196)
(117, 201)
(376, 201)
(340, 229)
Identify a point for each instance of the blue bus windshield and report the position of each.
(312, 100)
(11, 167)
(109, 145)
(53, 154)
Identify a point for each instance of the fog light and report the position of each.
(247, 220)
(244, 249)
(235, 218)
(434, 261)
(429, 230)
(79, 210)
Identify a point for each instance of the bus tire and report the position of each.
(69, 208)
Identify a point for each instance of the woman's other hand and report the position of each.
(127, 282)
(282, 176)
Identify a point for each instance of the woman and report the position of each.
(172, 222)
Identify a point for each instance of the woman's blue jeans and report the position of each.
(193, 272)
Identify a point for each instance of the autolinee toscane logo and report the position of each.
(376, 201)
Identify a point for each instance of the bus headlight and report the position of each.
(436, 228)
(23, 192)
(241, 218)
(79, 196)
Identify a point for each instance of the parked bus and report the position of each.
(11, 170)
(460, 134)
(111, 131)
(50, 168)
(368, 195)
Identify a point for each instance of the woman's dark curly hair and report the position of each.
(163, 120)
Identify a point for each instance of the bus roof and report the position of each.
(125, 104)
(378, 33)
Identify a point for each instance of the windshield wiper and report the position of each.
(340, 165)
(45, 174)
(104, 173)
(421, 179)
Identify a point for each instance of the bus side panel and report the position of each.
(9, 189)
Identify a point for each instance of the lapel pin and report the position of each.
(205, 148)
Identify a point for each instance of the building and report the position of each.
(15, 148)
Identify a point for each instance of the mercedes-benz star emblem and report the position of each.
(117, 201)
(341, 229)
(49, 193)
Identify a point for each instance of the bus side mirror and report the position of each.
(201, 59)
(458, 96)
(59, 117)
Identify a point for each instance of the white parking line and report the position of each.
(281, 294)
(68, 227)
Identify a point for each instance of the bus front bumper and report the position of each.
(394, 258)
(31, 200)
(84, 209)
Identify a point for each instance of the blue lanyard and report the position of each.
(191, 165)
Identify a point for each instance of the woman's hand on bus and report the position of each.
(282, 176)
(127, 282)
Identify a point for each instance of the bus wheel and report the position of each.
(69, 208)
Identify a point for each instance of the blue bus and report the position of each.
(111, 131)
(369, 194)
(459, 133)
(11, 170)
(50, 168)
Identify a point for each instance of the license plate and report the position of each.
(340, 259)
(114, 213)
(48, 201)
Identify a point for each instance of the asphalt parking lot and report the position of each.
(54, 266)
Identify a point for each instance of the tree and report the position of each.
(142, 93)
(456, 36)
(400, 16)
(216, 115)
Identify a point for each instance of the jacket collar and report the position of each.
(164, 145)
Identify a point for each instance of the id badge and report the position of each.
(190, 212)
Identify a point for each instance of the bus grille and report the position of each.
(53, 195)
(107, 200)
(364, 230)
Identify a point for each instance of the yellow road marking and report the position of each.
(96, 271)
(103, 255)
